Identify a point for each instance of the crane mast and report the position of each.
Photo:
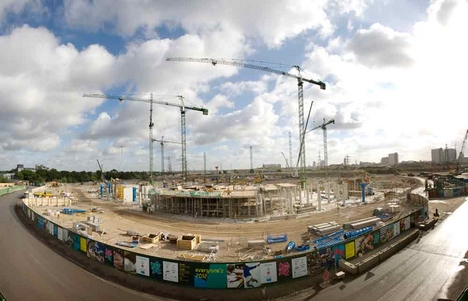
(462, 150)
(300, 81)
(151, 124)
(325, 147)
(151, 101)
(162, 141)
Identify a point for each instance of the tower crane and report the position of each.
(461, 154)
(151, 101)
(300, 81)
(324, 128)
(162, 141)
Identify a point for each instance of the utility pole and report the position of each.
(290, 155)
(251, 160)
(204, 167)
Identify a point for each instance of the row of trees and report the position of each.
(64, 176)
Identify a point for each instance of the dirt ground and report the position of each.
(231, 235)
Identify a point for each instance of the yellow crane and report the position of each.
(152, 101)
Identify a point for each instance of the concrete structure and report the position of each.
(230, 201)
(393, 159)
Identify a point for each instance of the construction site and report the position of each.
(226, 223)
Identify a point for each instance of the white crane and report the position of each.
(324, 128)
(183, 129)
(162, 141)
(300, 81)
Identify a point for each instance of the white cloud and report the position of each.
(271, 22)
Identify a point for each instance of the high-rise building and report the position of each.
(393, 159)
(450, 155)
(384, 161)
(440, 155)
(437, 156)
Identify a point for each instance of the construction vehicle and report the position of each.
(300, 82)
(183, 129)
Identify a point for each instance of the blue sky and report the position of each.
(377, 58)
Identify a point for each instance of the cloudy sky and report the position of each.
(394, 69)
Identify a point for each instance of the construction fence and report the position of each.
(7, 190)
(225, 275)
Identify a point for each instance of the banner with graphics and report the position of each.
(129, 262)
(386, 233)
(95, 250)
(284, 269)
(396, 229)
(185, 273)
(364, 244)
(210, 275)
(235, 275)
(268, 272)
(299, 267)
(156, 270)
(170, 271)
(350, 250)
(118, 258)
(142, 265)
(83, 245)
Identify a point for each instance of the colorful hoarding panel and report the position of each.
(284, 269)
(129, 262)
(50, 228)
(386, 233)
(396, 228)
(170, 271)
(156, 270)
(299, 267)
(364, 244)
(185, 273)
(118, 259)
(83, 245)
(235, 275)
(76, 241)
(211, 275)
(108, 255)
(314, 261)
(142, 266)
(268, 273)
(96, 250)
(252, 274)
(377, 238)
(405, 223)
(60, 233)
(349, 250)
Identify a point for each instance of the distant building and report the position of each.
(384, 161)
(437, 155)
(450, 155)
(19, 167)
(271, 165)
(393, 159)
(440, 155)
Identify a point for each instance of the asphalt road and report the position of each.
(426, 270)
(30, 271)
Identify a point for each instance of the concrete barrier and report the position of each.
(348, 267)
(368, 263)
